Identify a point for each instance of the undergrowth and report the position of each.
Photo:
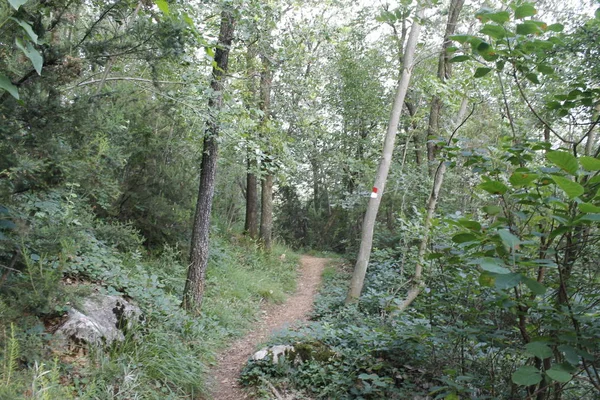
(166, 356)
(455, 342)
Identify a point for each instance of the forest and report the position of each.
(178, 157)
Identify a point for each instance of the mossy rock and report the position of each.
(317, 351)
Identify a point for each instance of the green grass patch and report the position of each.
(168, 356)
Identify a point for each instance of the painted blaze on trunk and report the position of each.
(194, 285)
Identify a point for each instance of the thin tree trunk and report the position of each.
(415, 289)
(433, 133)
(415, 136)
(266, 214)
(360, 269)
(251, 223)
(444, 72)
(194, 285)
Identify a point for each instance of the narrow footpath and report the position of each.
(275, 316)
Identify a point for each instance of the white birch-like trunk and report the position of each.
(366, 243)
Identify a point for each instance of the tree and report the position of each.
(194, 285)
(360, 269)
(443, 73)
(266, 211)
(251, 221)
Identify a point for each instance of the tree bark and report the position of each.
(444, 72)
(194, 285)
(360, 269)
(251, 223)
(266, 214)
(415, 136)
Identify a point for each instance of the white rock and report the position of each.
(273, 352)
(280, 350)
(100, 320)
(260, 355)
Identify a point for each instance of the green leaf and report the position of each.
(510, 241)
(486, 279)
(545, 69)
(535, 287)
(588, 208)
(17, 3)
(494, 31)
(463, 238)
(556, 27)
(488, 14)
(590, 217)
(6, 224)
(527, 376)
(480, 72)
(470, 224)
(28, 29)
(572, 189)
(7, 85)
(494, 187)
(507, 281)
(492, 210)
(559, 374)
(499, 17)
(526, 10)
(188, 20)
(522, 178)
(590, 163)
(163, 6)
(36, 58)
(483, 47)
(539, 349)
(461, 38)
(528, 28)
(570, 354)
(494, 265)
(597, 14)
(459, 59)
(532, 78)
(563, 160)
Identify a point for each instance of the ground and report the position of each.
(274, 317)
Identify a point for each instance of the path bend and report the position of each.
(296, 308)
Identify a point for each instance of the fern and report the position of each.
(9, 364)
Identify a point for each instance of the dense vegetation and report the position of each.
(113, 111)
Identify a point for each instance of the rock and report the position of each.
(274, 352)
(100, 320)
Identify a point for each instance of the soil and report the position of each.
(274, 317)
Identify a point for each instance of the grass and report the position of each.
(167, 357)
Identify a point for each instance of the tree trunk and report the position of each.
(266, 214)
(194, 285)
(416, 135)
(444, 72)
(438, 180)
(251, 223)
(360, 269)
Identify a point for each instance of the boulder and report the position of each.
(99, 320)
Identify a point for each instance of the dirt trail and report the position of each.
(275, 317)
